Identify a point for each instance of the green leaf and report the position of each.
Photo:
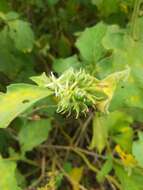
(61, 65)
(22, 35)
(106, 168)
(41, 80)
(8, 175)
(118, 125)
(12, 61)
(52, 2)
(124, 137)
(125, 51)
(89, 43)
(129, 182)
(18, 98)
(107, 7)
(138, 148)
(136, 114)
(68, 167)
(21, 180)
(11, 16)
(114, 37)
(35, 132)
(100, 134)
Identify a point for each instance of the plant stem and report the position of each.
(71, 148)
(80, 152)
(96, 170)
(19, 158)
(134, 27)
(84, 128)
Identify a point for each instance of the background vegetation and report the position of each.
(80, 126)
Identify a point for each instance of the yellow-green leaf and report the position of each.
(18, 98)
(7, 175)
(108, 86)
(99, 134)
(76, 175)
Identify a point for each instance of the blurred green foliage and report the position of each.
(91, 51)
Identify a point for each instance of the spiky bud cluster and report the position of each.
(77, 91)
